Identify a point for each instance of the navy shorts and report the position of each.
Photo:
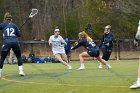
(93, 52)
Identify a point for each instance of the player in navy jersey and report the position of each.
(106, 44)
(10, 41)
(92, 50)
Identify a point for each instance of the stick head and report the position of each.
(88, 28)
(33, 12)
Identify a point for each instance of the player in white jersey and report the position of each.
(137, 38)
(58, 43)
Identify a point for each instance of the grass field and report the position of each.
(55, 78)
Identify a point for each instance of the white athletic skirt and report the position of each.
(58, 51)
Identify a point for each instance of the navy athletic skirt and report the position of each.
(93, 52)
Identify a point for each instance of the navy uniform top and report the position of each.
(89, 45)
(67, 46)
(10, 32)
(107, 41)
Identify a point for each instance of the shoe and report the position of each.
(70, 67)
(81, 68)
(135, 85)
(21, 73)
(100, 66)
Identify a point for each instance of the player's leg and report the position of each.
(137, 83)
(106, 56)
(4, 52)
(103, 62)
(59, 58)
(16, 50)
(3, 56)
(64, 57)
(103, 56)
(81, 57)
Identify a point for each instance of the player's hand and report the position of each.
(107, 44)
(76, 43)
(71, 48)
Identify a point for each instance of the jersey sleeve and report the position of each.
(50, 40)
(80, 43)
(17, 31)
(62, 40)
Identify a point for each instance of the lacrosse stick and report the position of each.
(32, 14)
(90, 29)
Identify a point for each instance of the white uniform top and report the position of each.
(57, 44)
(138, 32)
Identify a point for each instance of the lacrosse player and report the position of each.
(10, 41)
(137, 38)
(58, 43)
(106, 44)
(92, 50)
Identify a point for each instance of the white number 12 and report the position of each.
(10, 31)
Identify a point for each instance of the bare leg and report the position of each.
(103, 62)
(137, 83)
(59, 57)
(139, 69)
(81, 57)
(64, 57)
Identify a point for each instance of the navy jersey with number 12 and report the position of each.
(10, 32)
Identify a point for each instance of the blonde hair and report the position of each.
(6, 15)
(85, 35)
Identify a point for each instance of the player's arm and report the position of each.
(137, 36)
(80, 43)
(63, 42)
(50, 41)
(17, 31)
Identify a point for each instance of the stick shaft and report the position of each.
(24, 22)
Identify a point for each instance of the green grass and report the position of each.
(55, 78)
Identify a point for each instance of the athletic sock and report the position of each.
(108, 65)
(66, 64)
(100, 64)
(82, 65)
(138, 80)
(20, 68)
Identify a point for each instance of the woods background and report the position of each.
(72, 15)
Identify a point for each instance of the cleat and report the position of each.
(70, 67)
(21, 73)
(135, 85)
(100, 66)
(81, 68)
